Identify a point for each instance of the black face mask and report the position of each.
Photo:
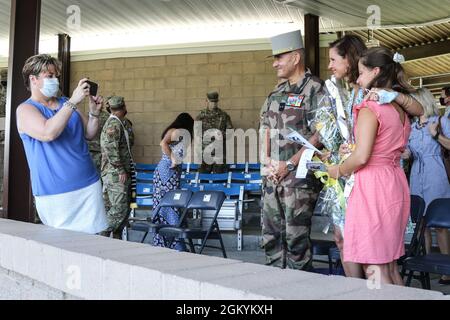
(442, 101)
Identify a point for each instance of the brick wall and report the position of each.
(158, 88)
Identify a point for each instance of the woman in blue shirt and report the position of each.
(64, 180)
(428, 177)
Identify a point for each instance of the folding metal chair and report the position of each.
(201, 200)
(177, 199)
(237, 167)
(416, 214)
(437, 216)
(213, 178)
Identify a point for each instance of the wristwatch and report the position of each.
(290, 166)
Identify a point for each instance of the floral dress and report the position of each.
(164, 180)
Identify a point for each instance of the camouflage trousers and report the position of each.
(116, 197)
(97, 159)
(287, 214)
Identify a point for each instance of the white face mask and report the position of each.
(50, 88)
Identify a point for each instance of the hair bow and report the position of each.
(399, 58)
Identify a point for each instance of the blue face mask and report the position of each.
(50, 88)
(386, 96)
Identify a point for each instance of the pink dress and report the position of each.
(378, 207)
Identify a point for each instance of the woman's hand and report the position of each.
(333, 171)
(344, 150)
(433, 128)
(382, 95)
(95, 104)
(406, 154)
(324, 156)
(80, 92)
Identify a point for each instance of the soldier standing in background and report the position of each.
(288, 202)
(3, 82)
(94, 144)
(214, 118)
(116, 166)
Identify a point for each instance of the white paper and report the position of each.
(207, 198)
(298, 138)
(177, 196)
(302, 171)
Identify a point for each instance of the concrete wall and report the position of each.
(41, 262)
(158, 88)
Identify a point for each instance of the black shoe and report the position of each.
(444, 282)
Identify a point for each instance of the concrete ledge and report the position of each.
(61, 264)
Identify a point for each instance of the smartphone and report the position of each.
(93, 88)
(316, 166)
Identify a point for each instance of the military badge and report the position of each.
(295, 100)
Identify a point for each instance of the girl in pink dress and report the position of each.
(378, 207)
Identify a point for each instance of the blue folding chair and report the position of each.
(437, 216)
(176, 199)
(145, 167)
(237, 167)
(213, 177)
(190, 178)
(245, 177)
(201, 200)
(253, 167)
(144, 176)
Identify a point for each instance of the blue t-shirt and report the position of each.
(61, 165)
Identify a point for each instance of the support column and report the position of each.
(312, 43)
(23, 43)
(64, 57)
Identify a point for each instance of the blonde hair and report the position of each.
(426, 99)
(36, 64)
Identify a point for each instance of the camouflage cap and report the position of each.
(115, 102)
(213, 96)
(286, 42)
(3, 74)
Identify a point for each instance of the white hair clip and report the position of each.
(399, 58)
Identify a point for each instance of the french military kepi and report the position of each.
(286, 42)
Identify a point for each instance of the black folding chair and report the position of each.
(437, 216)
(177, 199)
(201, 200)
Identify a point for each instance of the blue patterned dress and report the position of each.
(164, 180)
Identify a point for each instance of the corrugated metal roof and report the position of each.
(354, 13)
(403, 38)
(169, 19)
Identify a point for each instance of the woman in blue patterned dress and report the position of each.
(174, 141)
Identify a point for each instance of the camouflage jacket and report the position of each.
(214, 118)
(289, 108)
(2, 101)
(115, 155)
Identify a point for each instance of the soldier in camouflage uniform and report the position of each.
(288, 202)
(94, 144)
(3, 79)
(115, 168)
(214, 118)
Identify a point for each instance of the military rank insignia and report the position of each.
(295, 100)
